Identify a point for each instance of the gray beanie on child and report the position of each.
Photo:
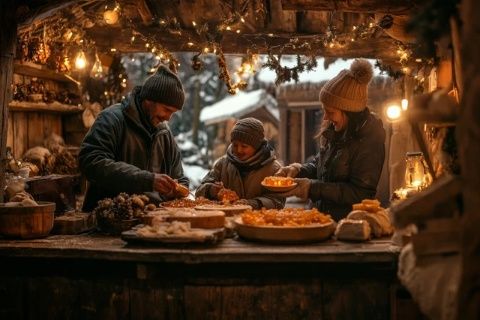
(249, 131)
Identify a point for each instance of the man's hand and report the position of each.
(164, 185)
(291, 170)
(301, 190)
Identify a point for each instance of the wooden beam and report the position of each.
(8, 37)
(144, 12)
(433, 202)
(370, 6)
(378, 48)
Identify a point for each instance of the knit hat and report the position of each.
(249, 131)
(348, 90)
(163, 87)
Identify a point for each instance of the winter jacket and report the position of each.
(347, 168)
(247, 187)
(119, 154)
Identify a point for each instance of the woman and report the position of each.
(352, 150)
(249, 159)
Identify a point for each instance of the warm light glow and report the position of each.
(206, 50)
(238, 31)
(110, 16)
(97, 69)
(80, 61)
(190, 44)
(228, 28)
(404, 104)
(393, 112)
(194, 23)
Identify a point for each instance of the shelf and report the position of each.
(39, 71)
(54, 107)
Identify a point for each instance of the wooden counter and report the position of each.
(99, 277)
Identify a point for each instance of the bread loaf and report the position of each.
(198, 219)
(353, 230)
(378, 221)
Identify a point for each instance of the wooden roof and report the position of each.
(295, 26)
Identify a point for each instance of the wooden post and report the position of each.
(8, 36)
(468, 139)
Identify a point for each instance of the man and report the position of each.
(130, 149)
(352, 147)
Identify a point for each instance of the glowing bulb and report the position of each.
(238, 31)
(354, 28)
(190, 44)
(80, 60)
(110, 16)
(206, 50)
(194, 23)
(404, 104)
(243, 20)
(393, 112)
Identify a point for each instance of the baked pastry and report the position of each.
(353, 230)
(379, 221)
(182, 190)
(273, 181)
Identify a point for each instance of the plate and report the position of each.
(205, 236)
(279, 188)
(230, 210)
(278, 234)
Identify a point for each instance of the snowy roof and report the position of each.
(238, 105)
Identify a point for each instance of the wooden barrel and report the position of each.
(27, 222)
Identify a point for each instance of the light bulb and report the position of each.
(393, 112)
(404, 104)
(80, 61)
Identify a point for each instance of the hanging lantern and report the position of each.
(97, 69)
(80, 61)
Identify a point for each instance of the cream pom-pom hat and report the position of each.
(348, 90)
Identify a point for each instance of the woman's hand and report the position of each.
(214, 189)
(302, 189)
(291, 170)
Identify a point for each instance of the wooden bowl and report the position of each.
(28, 222)
(280, 234)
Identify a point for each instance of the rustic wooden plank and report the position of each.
(10, 131)
(11, 299)
(156, 299)
(20, 134)
(52, 123)
(383, 47)
(372, 6)
(229, 251)
(349, 298)
(35, 129)
(8, 35)
(431, 202)
(468, 141)
(51, 298)
(103, 299)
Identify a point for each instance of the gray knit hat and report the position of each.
(163, 87)
(249, 131)
(348, 90)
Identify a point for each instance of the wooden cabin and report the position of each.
(104, 277)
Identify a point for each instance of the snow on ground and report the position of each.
(195, 174)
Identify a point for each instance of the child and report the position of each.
(248, 160)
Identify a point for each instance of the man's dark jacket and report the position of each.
(121, 154)
(347, 168)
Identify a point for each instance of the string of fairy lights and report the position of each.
(62, 41)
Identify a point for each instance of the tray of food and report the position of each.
(278, 184)
(290, 225)
(175, 232)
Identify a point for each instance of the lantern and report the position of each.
(416, 174)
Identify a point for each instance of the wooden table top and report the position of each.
(95, 246)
